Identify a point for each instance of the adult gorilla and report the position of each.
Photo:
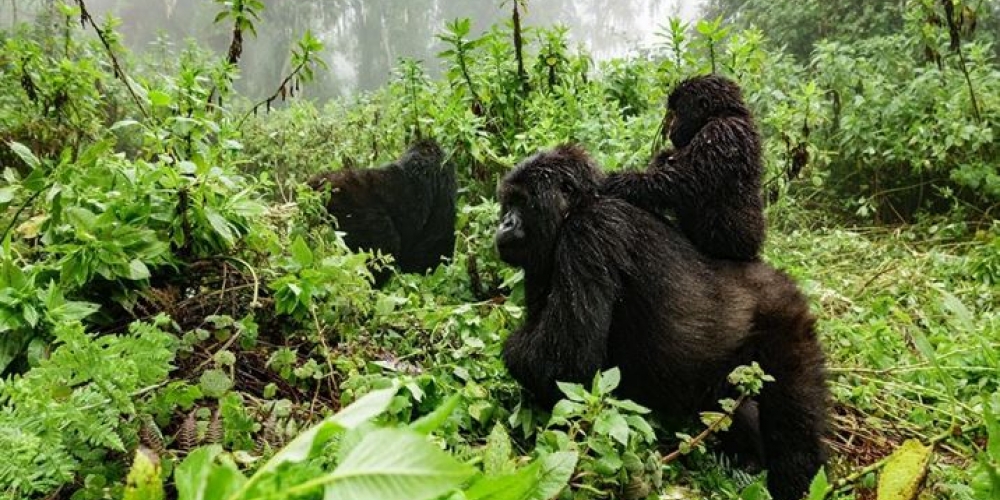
(609, 284)
(405, 208)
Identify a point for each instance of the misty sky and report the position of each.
(364, 39)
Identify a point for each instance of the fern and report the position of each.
(76, 401)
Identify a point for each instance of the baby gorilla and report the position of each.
(608, 284)
(405, 208)
(712, 181)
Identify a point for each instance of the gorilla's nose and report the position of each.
(508, 224)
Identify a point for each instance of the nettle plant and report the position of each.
(348, 456)
(615, 442)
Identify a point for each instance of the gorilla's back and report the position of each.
(670, 313)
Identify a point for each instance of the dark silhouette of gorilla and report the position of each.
(712, 181)
(405, 208)
(609, 284)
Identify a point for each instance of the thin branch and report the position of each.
(277, 92)
(845, 483)
(674, 455)
(85, 18)
(31, 199)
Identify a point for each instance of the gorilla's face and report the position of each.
(686, 119)
(697, 100)
(511, 238)
(535, 198)
(529, 222)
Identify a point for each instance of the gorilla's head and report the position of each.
(697, 100)
(537, 196)
(423, 157)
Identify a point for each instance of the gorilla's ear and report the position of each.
(562, 203)
(703, 102)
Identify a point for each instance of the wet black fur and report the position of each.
(405, 208)
(712, 180)
(609, 284)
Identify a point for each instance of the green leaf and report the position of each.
(25, 154)
(137, 270)
(630, 406)
(158, 98)
(394, 464)
(191, 476)
(30, 314)
(565, 409)
(220, 225)
(611, 423)
(81, 218)
(73, 311)
(574, 392)
(224, 480)
(12, 343)
(608, 381)
(962, 315)
(301, 253)
(819, 486)
(608, 465)
(7, 194)
(556, 470)
(123, 124)
(144, 480)
(514, 486)
(215, 383)
(432, 421)
(754, 491)
(364, 409)
(496, 458)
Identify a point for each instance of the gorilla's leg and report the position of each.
(742, 441)
(793, 412)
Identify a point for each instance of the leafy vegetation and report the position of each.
(179, 319)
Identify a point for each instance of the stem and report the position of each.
(844, 483)
(23, 206)
(956, 46)
(85, 18)
(711, 54)
(518, 49)
(412, 86)
(465, 72)
(703, 435)
(277, 92)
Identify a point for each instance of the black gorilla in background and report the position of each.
(712, 181)
(608, 284)
(405, 208)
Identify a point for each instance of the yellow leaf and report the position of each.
(144, 480)
(904, 472)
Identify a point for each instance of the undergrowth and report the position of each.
(179, 317)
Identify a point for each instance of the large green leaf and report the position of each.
(25, 154)
(557, 468)
(394, 464)
(430, 422)
(496, 457)
(191, 476)
(364, 409)
(518, 485)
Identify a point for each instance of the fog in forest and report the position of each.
(364, 39)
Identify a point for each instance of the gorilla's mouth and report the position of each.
(507, 247)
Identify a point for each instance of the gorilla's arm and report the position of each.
(565, 338)
(652, 190)
(716, 159)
